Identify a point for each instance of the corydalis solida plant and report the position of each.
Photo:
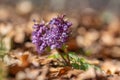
(54, 34)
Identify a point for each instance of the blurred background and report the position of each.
(96, 27)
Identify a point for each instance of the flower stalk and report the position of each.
(65, 56)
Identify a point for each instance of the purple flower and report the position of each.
(53, 35)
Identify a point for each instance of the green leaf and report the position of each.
(54, 56)
(48, 49)
(84, 66)
(96, 67)
(3, 71)
(75, 65)
(81, 60)
(64, 46)
(73, 55)
(78, 63)
(3, 49)
(88, 52)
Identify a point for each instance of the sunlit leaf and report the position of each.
(54, 56)
(82, 60)
(73, 55)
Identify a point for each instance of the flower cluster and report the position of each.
(52, 35)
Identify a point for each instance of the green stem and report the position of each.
(65, 61)
(68, 59)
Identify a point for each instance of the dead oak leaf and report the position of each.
(64, 71)
(24, 60)
(13, 69)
